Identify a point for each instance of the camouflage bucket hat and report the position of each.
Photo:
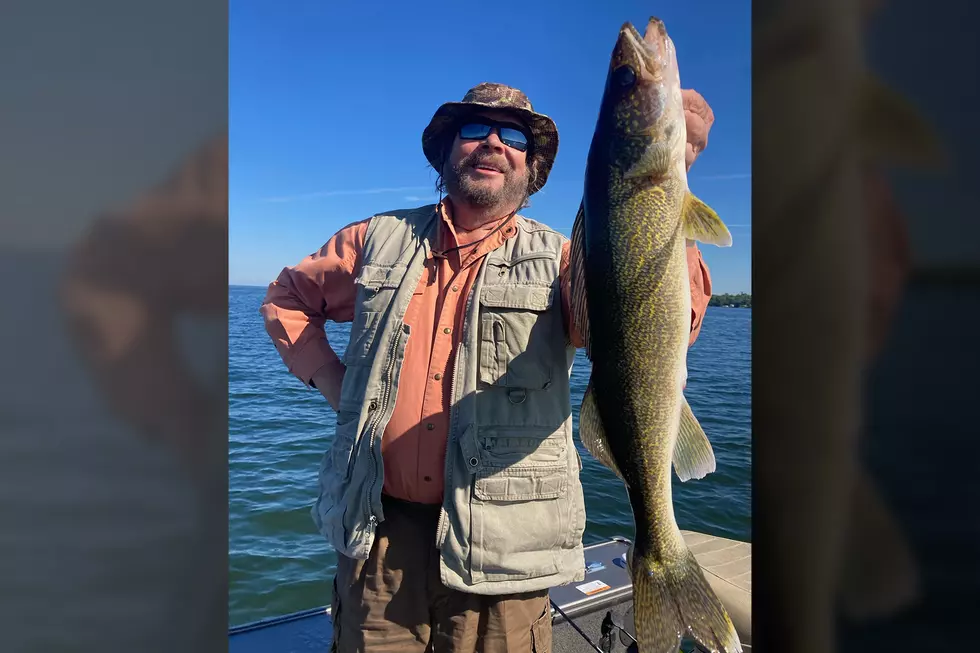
(503, 98)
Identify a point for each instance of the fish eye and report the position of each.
(624, 76)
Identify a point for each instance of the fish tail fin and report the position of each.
(671, 600)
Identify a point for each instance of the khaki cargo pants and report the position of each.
(395, 601)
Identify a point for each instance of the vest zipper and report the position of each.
(443, 528)
(382, 409)
(528, 257)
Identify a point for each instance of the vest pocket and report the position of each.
(334, 476)
(362, 335)
(519, 520)
(502, 446)
(521, 484)
(377, 286)
(520, 502)
(516, 467)
(342, 447)
(514, 352)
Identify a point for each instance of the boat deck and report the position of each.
(605, 593)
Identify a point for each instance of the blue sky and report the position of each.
(327, 103)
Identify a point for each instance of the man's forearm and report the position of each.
(328, 380)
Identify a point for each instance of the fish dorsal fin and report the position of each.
(593, 434)
(701, 223)
(693, 456)
(580, 304)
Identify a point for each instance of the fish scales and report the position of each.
(650, 295)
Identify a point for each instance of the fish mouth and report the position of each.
(653, 51)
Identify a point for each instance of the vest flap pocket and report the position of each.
(528, 298)
(376, 276)
(514, 348)
(521, 483)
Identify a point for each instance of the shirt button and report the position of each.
(430, 426)
(427, 478)
(446, 330)
(438, 376)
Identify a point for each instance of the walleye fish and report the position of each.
(632, 299)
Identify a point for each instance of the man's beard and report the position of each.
(461, 185)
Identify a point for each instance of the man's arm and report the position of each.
(700, 288)
(299, 302)
(698, 117)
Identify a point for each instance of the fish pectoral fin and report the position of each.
(592, 433)
(701, 223)
(693, 456)
(891, 128)
(579, 300)
(654, 162)
(878, 574)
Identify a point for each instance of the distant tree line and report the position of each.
(741, 300)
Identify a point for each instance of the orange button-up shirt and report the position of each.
(322, 287)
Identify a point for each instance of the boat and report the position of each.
(594, 615)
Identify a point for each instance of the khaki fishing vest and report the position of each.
(513, 511)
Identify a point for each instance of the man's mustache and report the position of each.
(474, 160)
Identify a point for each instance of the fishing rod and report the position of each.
(607, 627)
(575, 626)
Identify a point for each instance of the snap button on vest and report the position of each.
(373, 405)
(517, 395)
(474, 461)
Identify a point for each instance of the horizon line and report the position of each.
(334, 193)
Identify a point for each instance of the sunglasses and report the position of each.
(510, 136)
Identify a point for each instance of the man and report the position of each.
(451, 490)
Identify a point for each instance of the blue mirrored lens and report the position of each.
(514, 138)
(474, 130)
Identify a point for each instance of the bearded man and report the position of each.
(451, 488)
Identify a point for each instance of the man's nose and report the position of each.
(493, 140)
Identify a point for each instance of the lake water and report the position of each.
(278, 431)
